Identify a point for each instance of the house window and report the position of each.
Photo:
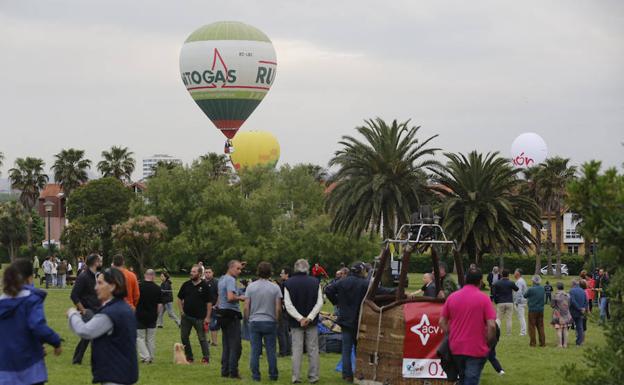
(573, 249)
(572, 234)
(545, 224)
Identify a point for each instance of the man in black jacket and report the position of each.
(503, 298)
(85, 299)
(146, 315)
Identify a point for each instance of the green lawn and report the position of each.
(523, 365)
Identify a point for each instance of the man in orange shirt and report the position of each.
(132, 285)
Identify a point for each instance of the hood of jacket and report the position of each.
(28, 293)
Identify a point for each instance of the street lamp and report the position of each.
(49, 205)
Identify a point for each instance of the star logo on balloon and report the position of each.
(424, 330)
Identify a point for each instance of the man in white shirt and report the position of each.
(47, 271)
(520, 301)
(303, 299)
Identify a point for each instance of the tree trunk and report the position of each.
(29, 224)
(586, 254)
(12, 252)
(549, 242)
(538, 250)
(558, 241)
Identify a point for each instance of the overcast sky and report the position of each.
(89, 75)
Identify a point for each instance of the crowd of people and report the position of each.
(119, 317)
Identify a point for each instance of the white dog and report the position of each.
(179, 358)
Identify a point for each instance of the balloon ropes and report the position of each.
(255, 149)
(228, 67)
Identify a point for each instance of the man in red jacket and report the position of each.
(318, 272)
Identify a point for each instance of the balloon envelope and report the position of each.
(255, 148)
(528, 150)
(228, 67)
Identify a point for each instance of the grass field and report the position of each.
(522, 364)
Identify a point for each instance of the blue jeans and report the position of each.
(578, 327)
(348, 342)
(469, 369)
(258, 331)
(604, 303)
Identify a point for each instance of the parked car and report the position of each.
(564, 269)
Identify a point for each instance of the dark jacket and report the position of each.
(23, 331)
(147, 309)
(578, 302)
(503, 291)
(167, 292)
(348, 294)
(303, 290)
(113, 357)
(83, 290)
(430, 290)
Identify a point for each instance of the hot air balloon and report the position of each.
(228, 67)
(528, 150)
(255, 148)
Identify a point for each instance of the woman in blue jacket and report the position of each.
(23, 328)
(113, 330)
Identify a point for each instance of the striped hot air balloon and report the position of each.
(254, 149)
(228, 67)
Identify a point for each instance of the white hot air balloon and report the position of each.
(528, 150)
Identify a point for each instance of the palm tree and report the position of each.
(553, 178)
(219, 164)
(484, 208)
(28, 177)
(532, 188)
(380, 181)
(70, 169)
(117, 163)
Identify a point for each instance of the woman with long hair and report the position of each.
(113, 330)
(23, 328)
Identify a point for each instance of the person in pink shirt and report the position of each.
(468, 318)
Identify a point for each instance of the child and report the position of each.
(548, 292)
(492, 356)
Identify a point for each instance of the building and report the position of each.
(150, 163)
(571, 240)
(53, 193)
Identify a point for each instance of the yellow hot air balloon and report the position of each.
(255, 148)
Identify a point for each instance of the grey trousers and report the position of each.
(309, 336)
(146, 344)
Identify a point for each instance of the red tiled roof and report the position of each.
(50, 190)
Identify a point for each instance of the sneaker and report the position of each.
(159, 326)
(501, 373)
(190, 360)
(205, 361)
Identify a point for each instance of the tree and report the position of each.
(13, 225)
(483, 208)
(581, 197)
(217, 165)
(533, 189)
(139, 237)
(554, 176)
(100, 204)
(380, 181)
(28, 177)
(117, 163)
(70, 169)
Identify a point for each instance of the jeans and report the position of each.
(80, 350)
(536, 321)
(504, 311)
(469, 369)
(283, 336)
(61, 280)
(48, 280)
(348, 342)
(604, 311)
(494, 361)
(231, 342)
(578, 326)
(547, 298)
(520, 313)
(309, 337)
(170, 312)
(186, 325)
(146, 344)
(260, 330)
(54, 279)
